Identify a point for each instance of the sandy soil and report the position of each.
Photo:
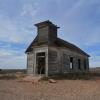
(62, 90)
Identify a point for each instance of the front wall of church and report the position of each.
(57, 61)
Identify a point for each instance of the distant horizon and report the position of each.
(26, 68)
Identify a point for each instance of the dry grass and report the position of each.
(10, 76)
(75, 76)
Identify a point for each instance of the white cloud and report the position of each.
(8, 31)
(95, 61)
(12, 59)
(8, 52)
(29, 9)
(75, 7)
(93, 38)
(11, 32)
(78, 24)
(18, 32)
(75, 26)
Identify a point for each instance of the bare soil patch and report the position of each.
(43, 90)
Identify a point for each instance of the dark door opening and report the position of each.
(40, 63)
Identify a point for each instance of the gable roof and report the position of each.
(59, 43)
(29, 49)
(63, 43)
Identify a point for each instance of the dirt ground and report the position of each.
(62, 90)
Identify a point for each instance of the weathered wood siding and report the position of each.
(59, 61)
(43, 34)
(53, 62)
(30, 63)
(65, 63)
(47, 33)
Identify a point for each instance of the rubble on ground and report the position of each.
(33, 79)
(52, 81)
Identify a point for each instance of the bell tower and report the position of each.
(47, 31)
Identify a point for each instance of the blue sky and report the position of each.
(79, 22)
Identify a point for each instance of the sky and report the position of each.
(79, 22)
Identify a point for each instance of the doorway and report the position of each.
(40, 62)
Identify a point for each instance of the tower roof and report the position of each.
(44, 23)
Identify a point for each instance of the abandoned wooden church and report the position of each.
(49, 55)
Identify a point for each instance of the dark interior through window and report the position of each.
(79, 64)
(71, 62)
(85, 64)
